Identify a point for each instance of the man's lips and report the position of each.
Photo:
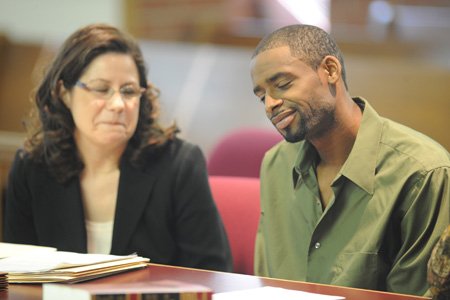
(283, 119)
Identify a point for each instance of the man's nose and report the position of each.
(272, 102)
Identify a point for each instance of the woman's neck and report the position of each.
(99, 159)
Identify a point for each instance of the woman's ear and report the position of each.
(332, 68)
(64, 94)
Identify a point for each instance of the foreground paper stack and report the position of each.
(60, 266)
(162, 289)
(3, 282)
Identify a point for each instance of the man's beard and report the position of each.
(294, 135)
(311, 126)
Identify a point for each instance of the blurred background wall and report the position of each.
(198, 52)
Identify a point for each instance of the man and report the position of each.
(351, 198)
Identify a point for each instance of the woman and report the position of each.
(98, 174)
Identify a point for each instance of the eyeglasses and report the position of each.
(104, 91)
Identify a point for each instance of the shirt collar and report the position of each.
(361, 163)
(306, 159)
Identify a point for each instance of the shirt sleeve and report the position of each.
(260, 261)
(261, 267)
(426, 215)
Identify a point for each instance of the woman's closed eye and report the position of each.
(129, 91)
(100, 89)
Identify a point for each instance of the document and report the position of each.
(61, 266)
(269, 292)
(10, 249)
(33, 262)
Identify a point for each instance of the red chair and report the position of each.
(240, 152)
(237, 199)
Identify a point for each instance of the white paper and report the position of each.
(10, 249)
(42, 261)
(269, 292)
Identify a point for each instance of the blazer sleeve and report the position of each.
(199, 230)
(18, 216)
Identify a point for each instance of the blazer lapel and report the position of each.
(134, 191)
(75, 219)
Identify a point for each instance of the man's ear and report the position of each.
(332, 68)
(64, 94)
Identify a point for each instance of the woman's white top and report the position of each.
(99, 236)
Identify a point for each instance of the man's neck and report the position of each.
(335, 145)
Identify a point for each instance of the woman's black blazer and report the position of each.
(164, 210)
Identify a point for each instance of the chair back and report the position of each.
(240, 152)
(237, 199)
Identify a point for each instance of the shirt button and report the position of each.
(317, 245)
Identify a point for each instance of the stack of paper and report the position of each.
(60, 266)
(3, 282)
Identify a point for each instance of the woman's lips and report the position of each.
(283, 119)
(112, 123)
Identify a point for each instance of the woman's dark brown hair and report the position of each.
(51, 127)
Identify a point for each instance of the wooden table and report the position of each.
(217, 281)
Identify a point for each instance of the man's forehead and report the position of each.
(281, 52)
(272, 58)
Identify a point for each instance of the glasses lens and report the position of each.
(130, 92)
(101, 90)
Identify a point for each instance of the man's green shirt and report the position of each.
(390, 205)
